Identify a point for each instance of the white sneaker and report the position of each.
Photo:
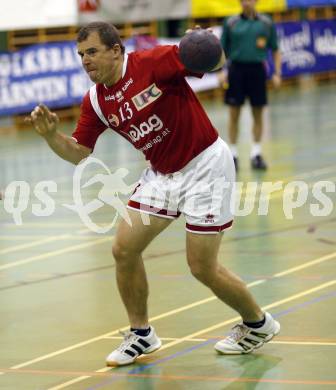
(243, 339)
(132, 347)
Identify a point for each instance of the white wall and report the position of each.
(24, 14)
(120, 11)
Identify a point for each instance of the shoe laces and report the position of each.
(238, 332)
(129, 338)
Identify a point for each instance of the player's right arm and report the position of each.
(45, 123)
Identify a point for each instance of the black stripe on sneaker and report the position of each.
(261, 335)
(143, 343)
(130, 353)
(253, 342)
(136, 348)
(245, 347)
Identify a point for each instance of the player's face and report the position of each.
(98, 60)
(248, 5)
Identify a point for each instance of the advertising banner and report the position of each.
(218, 8)
(307, 47)
(309, 3)
(49, 73)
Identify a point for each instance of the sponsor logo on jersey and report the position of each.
(113, 120)
(109, 97)
(146, 97)
(127, 84)
(154, 123)
(119, 94)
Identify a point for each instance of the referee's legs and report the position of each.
(257, 113)
(234, 114)
(257, 160)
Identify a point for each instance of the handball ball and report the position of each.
(200, 51)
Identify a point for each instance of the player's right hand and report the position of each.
(198, 27)
(44, 121)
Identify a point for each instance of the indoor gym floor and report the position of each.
(60, 312)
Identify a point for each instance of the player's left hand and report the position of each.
(276, 79)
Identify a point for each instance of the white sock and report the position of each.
(256, 149)
(234, 151)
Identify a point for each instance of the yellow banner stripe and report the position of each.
(218, 8)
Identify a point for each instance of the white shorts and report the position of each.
(202, 191)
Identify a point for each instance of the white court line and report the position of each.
(274, 194)
(161, 316)
(309, 343)
(44, 224)
(279, 193)
(313, 343)
(55, 253)
(34, 243)
(329, 125)
(206, 330)
(161, 338)
(23, 237)
(79, 233)
(78, 236)
(303, 266)
(314, 173)
(73, 381)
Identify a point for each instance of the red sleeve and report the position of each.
(166, 63)
(89, 126)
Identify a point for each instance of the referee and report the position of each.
(246, 39)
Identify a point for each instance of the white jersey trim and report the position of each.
(95, 105)
(94, 97)
(124, 65)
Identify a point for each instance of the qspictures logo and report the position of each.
(112, 190)
(113, 185)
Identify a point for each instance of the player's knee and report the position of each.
(121, 253)
(204, 274)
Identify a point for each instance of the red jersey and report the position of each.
(153, 107)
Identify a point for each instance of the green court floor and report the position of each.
(60, 312)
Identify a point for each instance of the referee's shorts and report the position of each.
(246, 80)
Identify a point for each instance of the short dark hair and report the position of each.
(108, 34)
